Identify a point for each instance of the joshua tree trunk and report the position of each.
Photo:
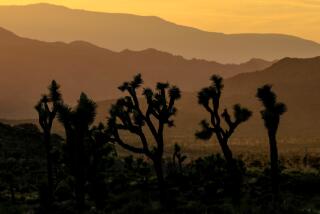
(271, 116)
(159, 172)
(157, 163)
(79, 177)
(12, 194)
(47, 139)
(126, 114)
(47, 108)
(227, 154)
(79, 193)
(76, 122)
(235, 175)
(274, 163)
(209, 98)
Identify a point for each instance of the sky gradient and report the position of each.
(294, 17)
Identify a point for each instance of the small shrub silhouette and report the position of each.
(214, 176)
(209, 98)
(47, 109)
(271, 116)
(127, 115)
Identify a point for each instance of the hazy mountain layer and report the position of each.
(27, 67)
(121, 31)
(296, 82)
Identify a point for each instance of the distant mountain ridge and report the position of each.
(295, 81)
(124, 31)
(27, 66)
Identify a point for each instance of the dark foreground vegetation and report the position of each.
(84, 172)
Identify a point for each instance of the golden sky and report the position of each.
(295, 17)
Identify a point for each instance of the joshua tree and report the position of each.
(128, 115)
(209, 98)
(177, 155)
(47, 109)
(102, 154)
(271, 116)
(77, 122)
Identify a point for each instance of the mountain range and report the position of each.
(296, 83)
(117, 32)
(27, 66)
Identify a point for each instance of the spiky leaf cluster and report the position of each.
(127, 114)
(209, 98)
(273, 109)
(211, 93)
(48, 105)
(81, 117)
(159, 105)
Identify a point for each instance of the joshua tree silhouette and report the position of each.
(77, 124)
(47, 109)
(102, 154)
(178, 156)
(209, 98)
(271, 116)
(128, 115)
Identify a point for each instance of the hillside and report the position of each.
(121, 31)
(27, 67)
(296, 82)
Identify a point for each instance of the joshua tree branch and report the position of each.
(129, 147)
(146, 119)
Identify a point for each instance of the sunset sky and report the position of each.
(295, 17)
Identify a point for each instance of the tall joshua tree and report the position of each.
(209, 98)
(128, 115)
(47, 108)
(77, 122)
(271, 116)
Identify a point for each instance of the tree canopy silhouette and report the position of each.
(77, 122)
(47, 109)
(271, 115)
(127, 114)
